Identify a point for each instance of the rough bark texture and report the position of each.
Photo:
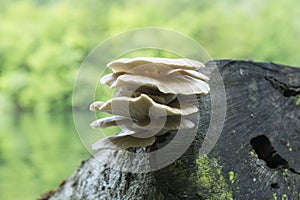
(260, 142)
(256, 157)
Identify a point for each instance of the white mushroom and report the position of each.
(123, 141)
(147, 101)
(182, 84)
(158, 71)
(139, 107)
(111, 121)
(191, 73)
(163, 77)
(108, 79)
(126, 64)
(154, 126)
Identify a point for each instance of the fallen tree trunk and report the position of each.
(256, 156)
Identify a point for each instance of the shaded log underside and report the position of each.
(256, 157)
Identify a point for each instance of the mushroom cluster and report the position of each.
(146, 104)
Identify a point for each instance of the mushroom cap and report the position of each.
(154, 127)
(163, 77)
(108, 79)
(110, 121)
(123, 141)
(183, 84)
(159, 71)
(191, 73)
(156, 71)
(139, 107)
(126, 64)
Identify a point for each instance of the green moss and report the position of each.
(231, 176)
(213, 185)
(252, 153)
(298, 101)
(284, 197)
(274, 196)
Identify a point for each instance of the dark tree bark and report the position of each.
(260, 141)
(256, 157)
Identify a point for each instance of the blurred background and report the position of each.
(43, 42)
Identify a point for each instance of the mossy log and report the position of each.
(256, 157)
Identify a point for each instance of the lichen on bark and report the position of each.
(211, 180)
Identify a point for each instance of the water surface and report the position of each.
(37, 151)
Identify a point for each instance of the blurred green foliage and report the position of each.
(42, 43)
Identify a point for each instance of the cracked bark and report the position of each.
(257, 153)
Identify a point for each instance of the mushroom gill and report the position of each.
(146, 104)
(151, 92)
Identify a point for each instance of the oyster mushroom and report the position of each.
(156, 126)
(182, 84)
(123, 140)
(147, 101)
(139, 107)
(110, 78)
(163, 77)
(110, 121)
(158, 71)
(126, 64)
